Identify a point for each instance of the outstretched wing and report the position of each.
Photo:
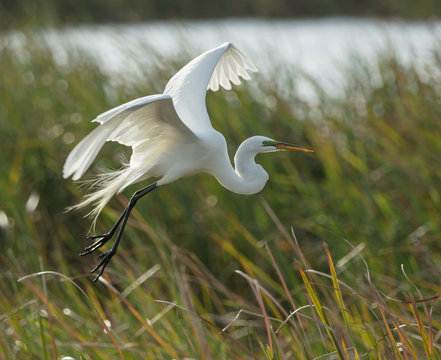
(149, 122)
(214, 68)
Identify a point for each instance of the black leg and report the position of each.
(102, 239)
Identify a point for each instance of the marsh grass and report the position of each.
(206, 274)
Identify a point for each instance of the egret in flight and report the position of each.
(171, 137)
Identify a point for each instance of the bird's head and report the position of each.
(269, 145)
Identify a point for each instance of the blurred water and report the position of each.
(319, 47)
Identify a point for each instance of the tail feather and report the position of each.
(107, 185)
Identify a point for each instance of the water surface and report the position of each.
(321, 48)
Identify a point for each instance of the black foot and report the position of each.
(102, 239)
(105, 258)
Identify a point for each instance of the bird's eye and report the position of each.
(268, 143)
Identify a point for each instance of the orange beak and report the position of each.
(285, 146)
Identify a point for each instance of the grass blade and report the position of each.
(321, 312)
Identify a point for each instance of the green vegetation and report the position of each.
(202, 273)
(60, 12)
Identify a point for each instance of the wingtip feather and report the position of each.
(232, 65)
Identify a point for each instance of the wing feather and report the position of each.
(130, 106)
(148, 119)
(85, 151)
(215, 68)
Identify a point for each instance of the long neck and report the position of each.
(247, 177)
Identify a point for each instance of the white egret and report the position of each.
(171, 137)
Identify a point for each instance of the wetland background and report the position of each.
(201, 272)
